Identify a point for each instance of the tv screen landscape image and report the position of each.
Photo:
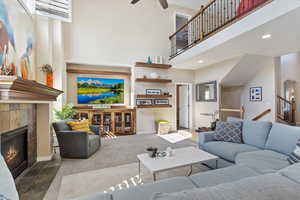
(100, 91)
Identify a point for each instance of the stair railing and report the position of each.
(215, 16)
(261, 115)
(286, 110)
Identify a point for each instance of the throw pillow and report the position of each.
(229, 132)
(2, 197)
(83, 125)
(295, 155)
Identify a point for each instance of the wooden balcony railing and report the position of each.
(215, 16)
(286, 110)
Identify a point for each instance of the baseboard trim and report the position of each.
(145, 132)
(44, 158)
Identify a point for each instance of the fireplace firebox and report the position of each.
(14, 150)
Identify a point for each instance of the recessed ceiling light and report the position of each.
(266, 36)
(200, 61)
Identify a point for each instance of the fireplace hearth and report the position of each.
(14, 150)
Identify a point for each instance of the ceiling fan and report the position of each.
(163, 3)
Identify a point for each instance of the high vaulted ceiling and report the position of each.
(193, 4)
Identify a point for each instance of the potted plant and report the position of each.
(66, 113)
(49, 74)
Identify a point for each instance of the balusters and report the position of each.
(210, 19)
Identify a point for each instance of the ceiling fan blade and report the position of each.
(134, 1)
(164, 4)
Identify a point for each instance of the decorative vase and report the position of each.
(149, 60)
(49, 79)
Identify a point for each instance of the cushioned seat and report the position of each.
(145, 192)
(264, 187)
(264, 161)
(292, 172)
(98, 196)
(225, 175)
(227, 150)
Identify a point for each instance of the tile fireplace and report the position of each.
(14, 150)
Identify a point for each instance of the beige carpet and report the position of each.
(114, 178)
(114, 152)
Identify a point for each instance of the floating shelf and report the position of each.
(153, 96)
(150, 80)
(158, 66)
(155, 106)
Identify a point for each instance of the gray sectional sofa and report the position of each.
(255, 170)
(7, 185)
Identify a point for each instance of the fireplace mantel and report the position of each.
(16, 89)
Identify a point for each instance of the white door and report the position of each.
(184, 106)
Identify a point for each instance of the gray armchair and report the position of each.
(76, 144)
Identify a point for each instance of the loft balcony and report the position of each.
(211, 19)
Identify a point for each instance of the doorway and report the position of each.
(183, 106)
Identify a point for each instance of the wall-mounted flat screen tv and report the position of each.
(100, 91)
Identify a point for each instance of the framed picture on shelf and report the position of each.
(161, 102)
(143, 102)
(153, 91)
(255, 93)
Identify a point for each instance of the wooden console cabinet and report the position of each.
(117, 122)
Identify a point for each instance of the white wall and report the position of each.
(265, 78)
(290, 70)
(147, 117)
(114, 32)
(215, 72)
(50, 50)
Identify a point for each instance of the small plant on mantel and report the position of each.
(49, 74)
(66, 113)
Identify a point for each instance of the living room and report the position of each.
(149, 100)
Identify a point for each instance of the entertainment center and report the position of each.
(114, 121)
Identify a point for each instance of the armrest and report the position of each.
(73, 144)
(205, 137)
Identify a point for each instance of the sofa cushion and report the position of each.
(146, 191)
(264, 161)
(227, 150)
(256, 133)
(98, 196)
(283, 138)
(292, 172)
(295, 155)
(83, 125)
(225, 175)
(229, 132)
(265, 187)
(7, 184)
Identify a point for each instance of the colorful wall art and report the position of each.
(100, 91)
(16, 40)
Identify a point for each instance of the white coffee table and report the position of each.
(182, 157)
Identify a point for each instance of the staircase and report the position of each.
(286, 111)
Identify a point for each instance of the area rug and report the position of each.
(113, 153)
(112, 179)
(177, 137)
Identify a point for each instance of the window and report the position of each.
(57, 9)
